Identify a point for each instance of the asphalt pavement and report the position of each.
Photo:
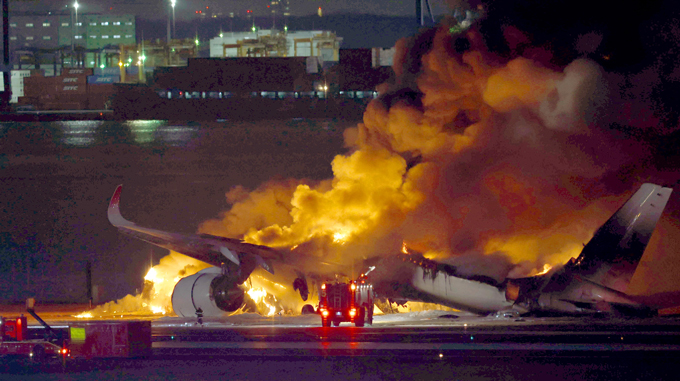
(433, 349)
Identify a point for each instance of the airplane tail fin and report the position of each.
(612, 255)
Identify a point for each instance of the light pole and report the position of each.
(169, 37)
(171, 32)
(75, 6)
(172, 3)
(73, 34)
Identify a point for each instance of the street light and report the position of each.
(75, 6)
(172, 3)
(171, 32)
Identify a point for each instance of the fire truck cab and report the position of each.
(14, 342)
(346, 302)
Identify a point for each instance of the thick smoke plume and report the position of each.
(499, 158)
(497, 165)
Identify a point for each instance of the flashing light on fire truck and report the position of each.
(345, 302)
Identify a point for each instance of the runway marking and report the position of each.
(413, 346)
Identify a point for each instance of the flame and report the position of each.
(151, 275)
(467, 172)
(340, 237)
(464, 154)
(155, 298)
(259, 296)
(157, 310)
(272, 297)
(546, 268)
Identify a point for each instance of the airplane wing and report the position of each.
(204, 247)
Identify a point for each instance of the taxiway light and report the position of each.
(324, 313)
(353, 286)
(352, 312)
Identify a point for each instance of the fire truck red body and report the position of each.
(14, 341)
(346, 302)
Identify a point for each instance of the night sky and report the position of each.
(185, 9)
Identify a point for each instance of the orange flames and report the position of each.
(155, 298)
(497, 170)
(489, 159)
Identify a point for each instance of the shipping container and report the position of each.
(78, 79)
(70, 97)
(102, 79)
(108, 89)
(107, 71)
(72, 71)
(38, 86)
(93, 339)
(71, 88)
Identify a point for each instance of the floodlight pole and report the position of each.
(75, 6)
(171, 32)
(7, 93)
(174, 31)
(168, 38)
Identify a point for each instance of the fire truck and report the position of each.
(346, 302)
(15, 340)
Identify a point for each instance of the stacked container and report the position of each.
(74, 89)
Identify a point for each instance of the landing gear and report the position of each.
(336, 323)
(359, 321)
(308, 309)
(369, 315)
(39, 355)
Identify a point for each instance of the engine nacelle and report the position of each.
(209, 290)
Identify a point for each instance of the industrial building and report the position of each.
(66, 39)
(272, 43)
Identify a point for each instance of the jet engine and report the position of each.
(210, 290)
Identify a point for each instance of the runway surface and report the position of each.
(432, 345)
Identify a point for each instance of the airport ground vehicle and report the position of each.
(79, 340)
(346, 302)
(15, 342)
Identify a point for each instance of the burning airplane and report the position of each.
(496, 167)
(593, 282)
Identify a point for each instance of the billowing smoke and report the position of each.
(498, 164)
